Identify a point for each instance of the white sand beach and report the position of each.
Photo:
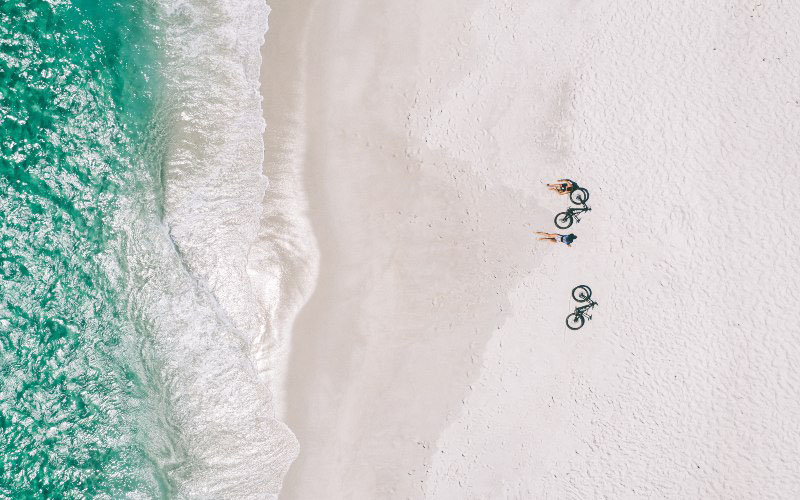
(431, 359)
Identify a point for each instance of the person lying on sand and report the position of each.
(558, 238)
(563, 186)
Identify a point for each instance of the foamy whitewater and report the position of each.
(145, 256)
(235, 246)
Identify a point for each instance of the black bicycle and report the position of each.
(583, 295)
(579, 196)
(572, 214)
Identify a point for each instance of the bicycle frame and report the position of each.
(582, 310)
(576, 211)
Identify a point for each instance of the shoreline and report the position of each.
(284, 264)
(418, 250)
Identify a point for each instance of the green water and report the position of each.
(78, 90)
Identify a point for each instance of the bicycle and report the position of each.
(579, 196)
(581, 294)
(565, 219)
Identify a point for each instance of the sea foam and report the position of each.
(245, 254)
(146, 265)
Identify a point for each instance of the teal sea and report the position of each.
(121, 373)
(77, 90)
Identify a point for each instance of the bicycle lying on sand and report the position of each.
(565, 219)
(583, 295)
(579, 196)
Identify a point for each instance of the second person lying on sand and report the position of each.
(567, 239)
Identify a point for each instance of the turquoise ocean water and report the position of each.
(130, 191)
(78, 88)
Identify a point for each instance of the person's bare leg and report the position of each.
(548, 236)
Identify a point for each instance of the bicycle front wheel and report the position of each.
(563, 220)
(575, 321)
(582, 293)
(579, 196)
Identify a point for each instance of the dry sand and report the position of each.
(432, 358)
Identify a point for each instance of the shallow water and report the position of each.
(124, 369)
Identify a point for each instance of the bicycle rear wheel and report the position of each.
(575, 321)
(582, 293)
(579, 196)
(563, 220)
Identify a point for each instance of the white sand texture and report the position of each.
(432, 358)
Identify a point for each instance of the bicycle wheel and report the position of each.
(575, 321)
(582, 293)
(563, 220)
(579, 196)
